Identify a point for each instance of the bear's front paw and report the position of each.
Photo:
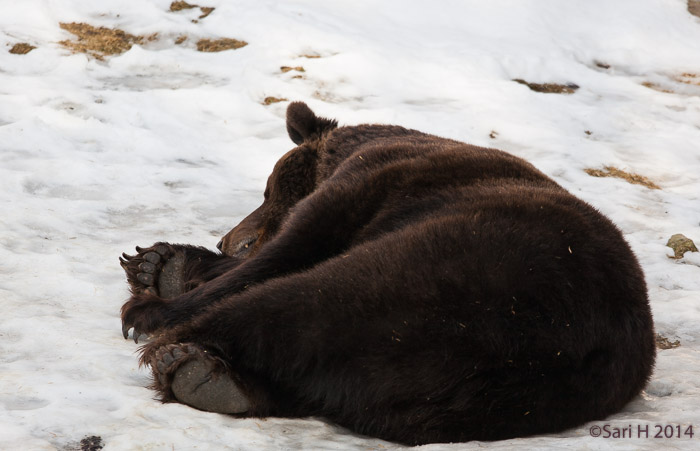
(143, 312)
(157, 270)
(189, 374)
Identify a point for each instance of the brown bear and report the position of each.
(402, 285)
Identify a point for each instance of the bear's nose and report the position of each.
(220, 244)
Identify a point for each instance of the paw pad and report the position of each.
(194, 377)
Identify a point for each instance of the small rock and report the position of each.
(680, 245)
(694, 7)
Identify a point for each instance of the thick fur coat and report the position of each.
(408, 287)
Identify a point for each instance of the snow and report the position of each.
(166, 143)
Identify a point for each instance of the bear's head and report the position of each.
(293, 178)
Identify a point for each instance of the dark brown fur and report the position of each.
(416, 289)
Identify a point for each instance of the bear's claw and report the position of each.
(192, 376)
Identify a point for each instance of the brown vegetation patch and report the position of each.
(270, 100)
(664, 343)
(180, 39)
(180, 5)
(680, 245)
(219, 45)
(99, 41)
(286, 69)
(21, 48)
(310, 56)
(549, 88)
(206, 10)
(689, 78)
(611, 171)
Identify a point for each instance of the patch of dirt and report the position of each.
(325, 96)
(180, 5)
(656, 87)
(88, 443)
(680, 245)
(100, 41)
(493, 134)
(91, 443)
(219, 45)
(310, 55)
(688, 78)
(664, 343)
(611, 171)
(206, 10)
(21, 48)
(270, 100)
(180, 39)
(549, 88)
(685, 83)
(602, 65)
(286, 69)
(694, 7)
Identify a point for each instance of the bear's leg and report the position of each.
(319, 228)
(361, 352)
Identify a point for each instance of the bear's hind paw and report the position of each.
(192, 376)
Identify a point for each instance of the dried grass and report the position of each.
(549, 88)
(21, 48)
(100, 41)
(689, 79)
(180, 5)
(270, 100)
(286, 69)
(656, 87)
(664, 343)
(219, 45)
(206, 10)
(611, 171)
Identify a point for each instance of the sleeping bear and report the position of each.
(405, 286)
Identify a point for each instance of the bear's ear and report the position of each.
(303, 124)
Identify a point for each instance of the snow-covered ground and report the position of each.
(163, 142)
